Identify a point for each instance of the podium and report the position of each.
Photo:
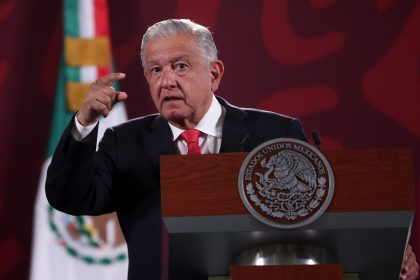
(366, 226)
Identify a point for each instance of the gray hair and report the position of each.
(170, 27)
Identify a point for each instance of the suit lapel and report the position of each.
(159, 141)
(236, 134)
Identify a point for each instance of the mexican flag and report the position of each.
(83, 247)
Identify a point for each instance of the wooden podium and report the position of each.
(366, 225)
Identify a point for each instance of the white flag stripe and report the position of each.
(88, 74)
(49, 256)
(51, 260)
(86, 19)
(42, 235)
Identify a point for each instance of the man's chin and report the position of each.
(176, 118)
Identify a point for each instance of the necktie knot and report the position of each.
(191, 137)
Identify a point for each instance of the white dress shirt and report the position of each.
(210, 139)
(211, 126)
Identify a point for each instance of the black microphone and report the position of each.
(317, 139)
(245, 141)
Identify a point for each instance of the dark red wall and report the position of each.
(349, 69)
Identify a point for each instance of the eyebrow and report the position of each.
(178, 58)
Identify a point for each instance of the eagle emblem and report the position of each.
(285, 182)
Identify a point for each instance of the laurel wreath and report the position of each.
(81, 228)
(290, 215)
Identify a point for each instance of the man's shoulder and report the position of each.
(264, 121)
(266, 124)
(139, 125)
(257, 113)
(253, 113)
(139, 122)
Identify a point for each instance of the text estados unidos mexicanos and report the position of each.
(282, 146)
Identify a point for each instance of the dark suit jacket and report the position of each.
(123, 175)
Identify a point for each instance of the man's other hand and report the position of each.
(410, 268)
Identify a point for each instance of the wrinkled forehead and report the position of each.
(172, 45)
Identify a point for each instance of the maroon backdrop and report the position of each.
(349, 69)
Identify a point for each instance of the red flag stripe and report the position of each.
(101, 18)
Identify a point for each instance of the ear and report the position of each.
(216, 68)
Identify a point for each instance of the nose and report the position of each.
(168, 78)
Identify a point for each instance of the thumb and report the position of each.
(121, 96)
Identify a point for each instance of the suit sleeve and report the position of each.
(79, 179)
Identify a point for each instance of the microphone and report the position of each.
(244, 142)
(317, 139)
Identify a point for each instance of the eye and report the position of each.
(180, 67)
(155, 71)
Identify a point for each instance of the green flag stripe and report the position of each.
(71, 18)
(73, 74)
(61, 116)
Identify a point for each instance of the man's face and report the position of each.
(181, 81)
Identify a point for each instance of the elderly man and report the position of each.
(180, 64)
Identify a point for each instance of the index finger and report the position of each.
(111, 78)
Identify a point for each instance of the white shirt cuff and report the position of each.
(79, 131)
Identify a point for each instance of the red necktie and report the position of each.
(191, 137)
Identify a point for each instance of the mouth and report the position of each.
(171, 98)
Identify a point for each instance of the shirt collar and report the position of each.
(209, 124)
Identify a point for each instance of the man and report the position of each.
(180, 64)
